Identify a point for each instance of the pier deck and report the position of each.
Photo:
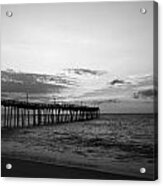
(17, 114)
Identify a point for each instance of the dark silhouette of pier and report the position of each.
(21, 114)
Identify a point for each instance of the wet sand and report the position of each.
(29, 169)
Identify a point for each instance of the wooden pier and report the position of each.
(19, 114)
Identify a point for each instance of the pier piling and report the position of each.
(17, 114)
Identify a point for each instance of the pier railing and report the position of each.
(19, 114)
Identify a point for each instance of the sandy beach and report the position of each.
(24, 168)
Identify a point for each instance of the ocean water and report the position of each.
(114, 143)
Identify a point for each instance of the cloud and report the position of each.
(140, 80)
(31, 88)
(106, 101)
(117, 81)
(148, 93)
(133, 81)
(56, 80)
(82, 71)
(31, 83)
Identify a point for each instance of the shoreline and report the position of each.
(31, 169)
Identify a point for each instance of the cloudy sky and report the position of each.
(96, 52)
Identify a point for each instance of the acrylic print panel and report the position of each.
(79, 90)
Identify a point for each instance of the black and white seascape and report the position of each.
(78, 90)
